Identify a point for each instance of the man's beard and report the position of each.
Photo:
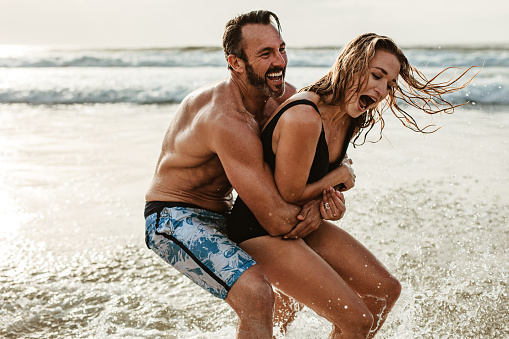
(261, 84)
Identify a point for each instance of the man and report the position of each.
(211, 145)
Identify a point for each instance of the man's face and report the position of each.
(266, 59)
(261, 83)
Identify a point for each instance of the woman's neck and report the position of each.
(332, 115)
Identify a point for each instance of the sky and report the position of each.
(170, 23)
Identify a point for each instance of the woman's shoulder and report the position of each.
(302, 108)
(302, 120)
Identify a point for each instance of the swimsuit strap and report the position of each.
(301, 102)
(272, 123)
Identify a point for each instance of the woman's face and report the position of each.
(382, 74)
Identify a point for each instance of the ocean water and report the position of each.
(80, 132)
(44, 75)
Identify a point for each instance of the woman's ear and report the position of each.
(236, 63)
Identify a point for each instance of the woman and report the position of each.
(328, 270)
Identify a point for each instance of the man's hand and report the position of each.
(310, 220)
(332, 206)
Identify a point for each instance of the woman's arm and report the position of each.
(294, 143)
(342, 178)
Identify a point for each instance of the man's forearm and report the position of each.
(280, 219)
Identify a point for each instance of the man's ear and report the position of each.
(236, 63)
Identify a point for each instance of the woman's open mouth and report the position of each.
(366, 101)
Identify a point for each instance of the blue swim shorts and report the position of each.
(194, 242)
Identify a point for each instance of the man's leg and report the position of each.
(251, 297)
(193, 242)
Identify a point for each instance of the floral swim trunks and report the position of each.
(194, 241)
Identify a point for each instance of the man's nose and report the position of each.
(279, 60)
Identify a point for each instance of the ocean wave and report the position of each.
(102, 85)
(69, 96)
(494, 95)
(490, 86)
(160, 85)
(200, 57)
(181, 57)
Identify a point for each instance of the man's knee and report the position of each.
(252, 293)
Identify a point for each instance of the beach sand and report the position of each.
(433, 208)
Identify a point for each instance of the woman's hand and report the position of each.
(348, 173)
(343, 176)
(332, 206)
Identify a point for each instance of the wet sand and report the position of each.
(433, 208)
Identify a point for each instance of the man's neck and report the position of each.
(253, 100)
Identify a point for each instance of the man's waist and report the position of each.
(152, 207)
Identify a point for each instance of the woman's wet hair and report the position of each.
(350, 71)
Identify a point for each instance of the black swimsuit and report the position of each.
(242, 224)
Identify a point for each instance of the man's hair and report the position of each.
(232, 37)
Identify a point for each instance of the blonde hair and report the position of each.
(418, 91)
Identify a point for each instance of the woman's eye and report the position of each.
(377, 77)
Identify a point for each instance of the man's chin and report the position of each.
(278, 92)
(274, 91)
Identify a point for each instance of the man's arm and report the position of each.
(239, 149)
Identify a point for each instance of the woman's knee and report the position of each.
(392, 288)
(357, 320)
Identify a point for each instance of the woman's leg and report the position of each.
(298, 271)
(360, 269)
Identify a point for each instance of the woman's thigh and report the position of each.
(358, 267)
(297, 270)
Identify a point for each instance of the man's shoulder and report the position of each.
(203, 95)
(218, 114)
(226, 109)
(230, 122)
(214, 98)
